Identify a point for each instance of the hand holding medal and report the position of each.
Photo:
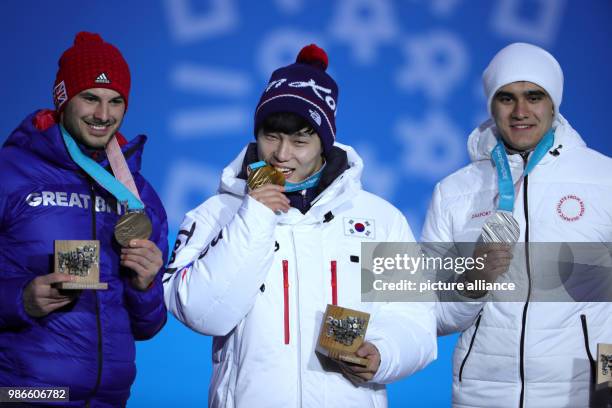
(145, 259)
(262, 173)
(266, 185)
(342, 338)
(501, 231)
(134, 227)
(134, 224)
(496, 244)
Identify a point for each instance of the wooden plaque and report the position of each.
(79, 258)
(604, 365)
(342, 333)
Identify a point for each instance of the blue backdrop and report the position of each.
(410, 92)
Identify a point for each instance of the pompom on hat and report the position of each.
(90, 63)
(303, 88)
(524, 62)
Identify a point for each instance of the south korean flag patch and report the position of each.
(359, 228)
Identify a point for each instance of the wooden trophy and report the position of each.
(80, 259)
(604, 366)
(342, 333)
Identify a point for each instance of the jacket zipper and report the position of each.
(92, 199)
(526, 307)
(286, 298)
(303, 192)
(592, 362)
(298, 337)
(470, 348)
(334, 283)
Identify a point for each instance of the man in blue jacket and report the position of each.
(83, 340)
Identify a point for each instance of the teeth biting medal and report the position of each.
(263, 173)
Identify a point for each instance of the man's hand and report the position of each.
(40, 298)
(145, 259)
(497, 259)
(271, 195)
(357, 373)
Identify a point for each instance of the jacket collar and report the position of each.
(49, 146)
(337, 193)
(484, 138)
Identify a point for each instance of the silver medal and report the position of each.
(501, 227)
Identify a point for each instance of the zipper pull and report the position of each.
(525, 156)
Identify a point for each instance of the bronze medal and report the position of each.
(132, 225)
(265, 175)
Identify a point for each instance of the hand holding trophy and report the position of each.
(342, 339)
(81, 260)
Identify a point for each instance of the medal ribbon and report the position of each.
(120, 167)
(116, 186)
(504, 175)
(309, 182)
(255, 166)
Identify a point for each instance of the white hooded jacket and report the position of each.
(536, 351)
(260, 282)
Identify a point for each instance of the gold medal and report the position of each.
(265, 175)
(132, 225)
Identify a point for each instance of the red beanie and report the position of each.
(90, 63)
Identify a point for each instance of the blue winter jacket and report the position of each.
(88, 345)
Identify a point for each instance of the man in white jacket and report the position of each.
(256, 268)
(524, 353)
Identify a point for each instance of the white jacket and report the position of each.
(230, 283)
(569, 199)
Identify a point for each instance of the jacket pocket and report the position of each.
(469, 348)
(585, 333)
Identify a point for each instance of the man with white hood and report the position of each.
(256, 267)
(524, 353)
